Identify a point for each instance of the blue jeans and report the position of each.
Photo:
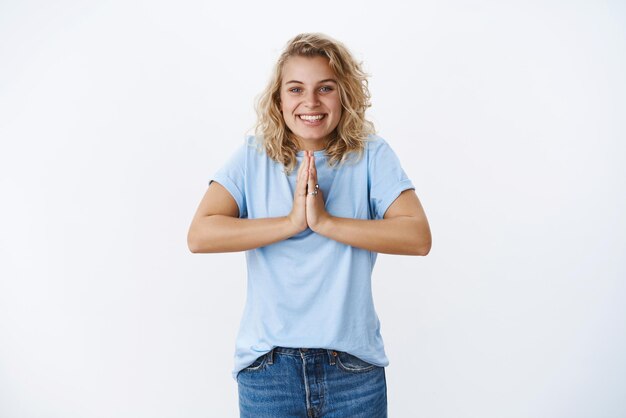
(313, 382)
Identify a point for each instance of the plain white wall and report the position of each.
(508, 116)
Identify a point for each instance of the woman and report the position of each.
(312, 198)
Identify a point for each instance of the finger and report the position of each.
(310, 183)
(312, 178)
(301, 181)
(313, 169)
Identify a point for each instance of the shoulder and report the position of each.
(254, 145)
(377, 147)
(249, 149)
(249, 143)
(375, 143)
(373, 146)
(252, 141)
(242, 155)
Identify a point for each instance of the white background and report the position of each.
(508, 116)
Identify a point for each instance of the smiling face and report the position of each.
(309, 100)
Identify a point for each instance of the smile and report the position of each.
(312, 117)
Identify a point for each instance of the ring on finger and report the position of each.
(314, 192)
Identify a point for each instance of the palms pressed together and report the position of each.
(308, 209)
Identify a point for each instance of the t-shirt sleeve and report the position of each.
(386, 179)
(233, 176)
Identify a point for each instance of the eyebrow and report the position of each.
(319, 82)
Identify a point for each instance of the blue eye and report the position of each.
(295, 90)
(326, 89)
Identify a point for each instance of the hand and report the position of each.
(316, 214)
(297, 216)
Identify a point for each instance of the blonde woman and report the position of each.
(312, 198)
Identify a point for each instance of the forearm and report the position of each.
(220, 233)
(406, 235)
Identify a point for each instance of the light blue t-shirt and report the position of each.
(308, 290)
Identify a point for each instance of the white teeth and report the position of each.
(311, 117)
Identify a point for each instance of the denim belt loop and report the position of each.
(331, 357)
(270, 357)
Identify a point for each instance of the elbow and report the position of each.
(202, 238)
(201, 244)
(421, 248)
(193, 249)
(192, 242)
(192, 245)
(423, 243)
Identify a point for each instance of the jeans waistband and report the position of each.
(302, 352)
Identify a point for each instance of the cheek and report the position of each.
(338, 110)
(285, 113)
(336, 106)
(285, 106)
(281, 101)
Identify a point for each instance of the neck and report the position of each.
(311, 146)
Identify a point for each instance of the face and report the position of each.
(309, 100)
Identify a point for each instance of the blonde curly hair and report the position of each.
(351, 132)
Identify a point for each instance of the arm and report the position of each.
(404, 228)
(216, 226)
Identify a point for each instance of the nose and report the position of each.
(311, 99)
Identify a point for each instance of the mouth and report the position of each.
(312, 119)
